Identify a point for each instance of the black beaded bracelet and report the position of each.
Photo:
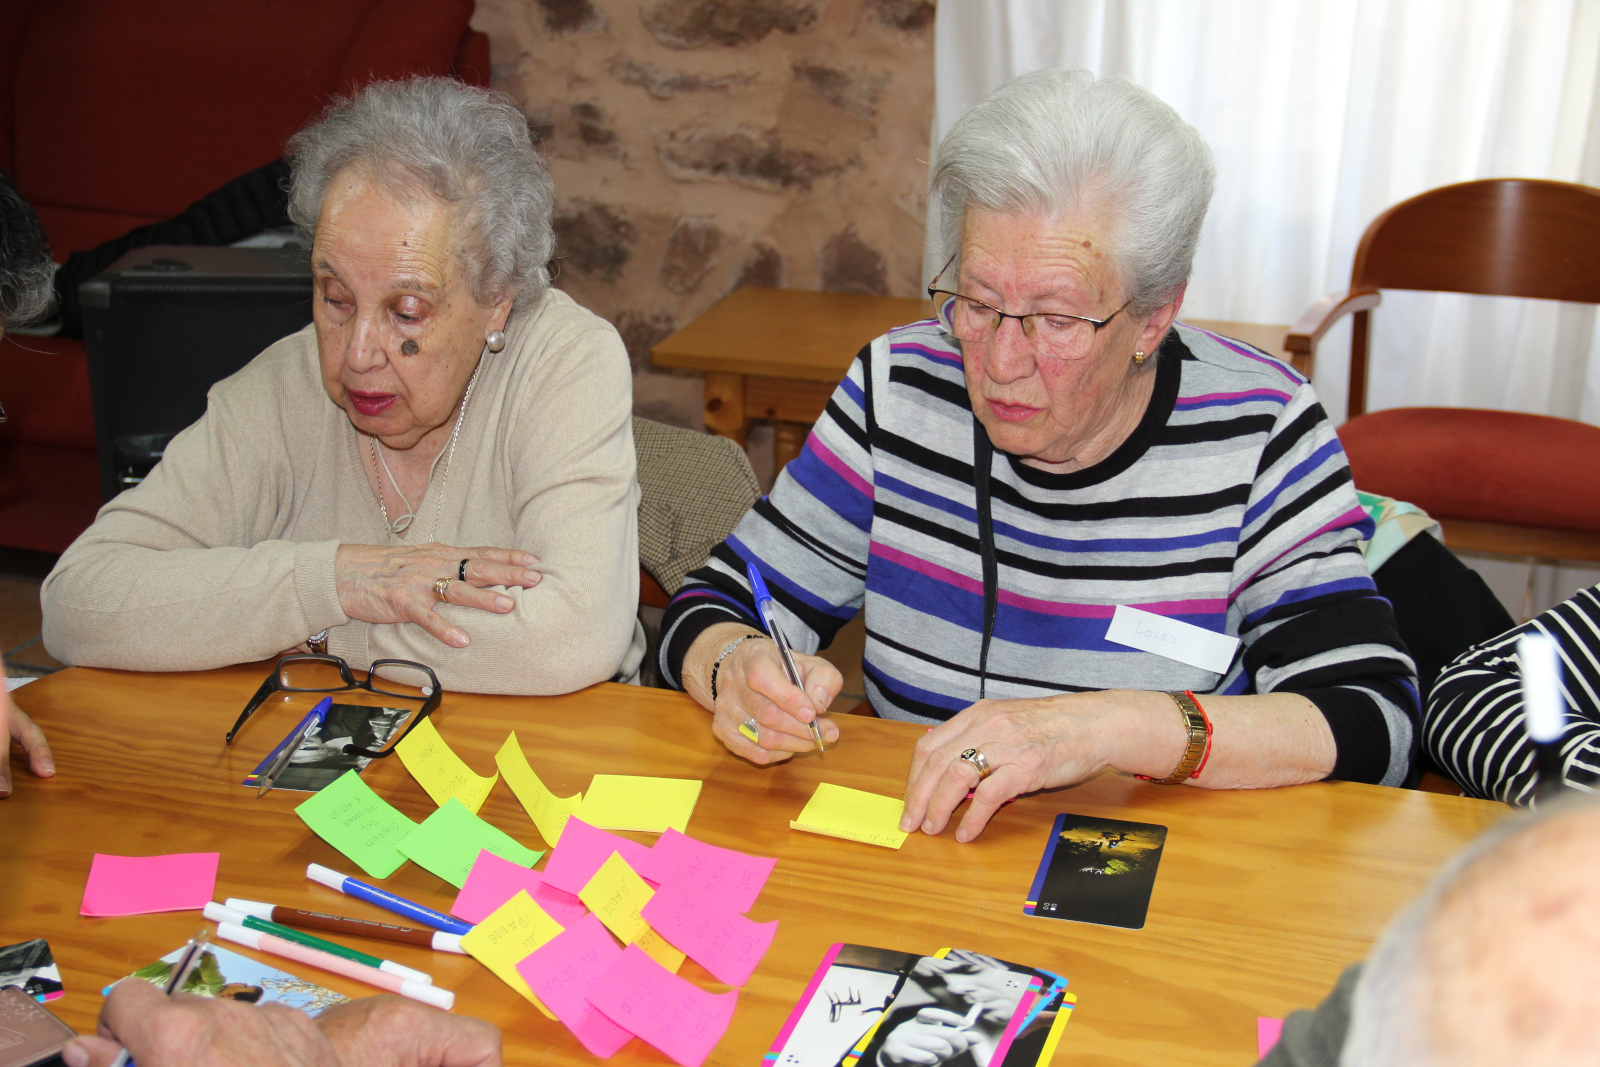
(729, 647)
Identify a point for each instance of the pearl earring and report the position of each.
(496, 340)
(1139, 358)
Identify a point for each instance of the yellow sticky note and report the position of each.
(629, 802)
(507, 936)
(548, 811)
(838, 811)
(655, 946)
(616, 894)
(440, 771)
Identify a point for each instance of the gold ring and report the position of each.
(978, 762)
(442, 586)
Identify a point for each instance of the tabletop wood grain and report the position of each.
(1261, 898)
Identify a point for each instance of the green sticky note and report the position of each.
(448, 842)
(348, 815)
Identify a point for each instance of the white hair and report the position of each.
(1390, 1024)
(1050, 138)
(469, 147)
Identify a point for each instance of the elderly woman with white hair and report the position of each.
(439, 468)
(1085, 536)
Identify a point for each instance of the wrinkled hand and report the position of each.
(389, 1031)
(382, 1031)
(752, 684)
(1030, 744)
(383, 584)
(928, 1039)
(15, 725)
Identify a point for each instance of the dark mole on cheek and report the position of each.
(410, 348)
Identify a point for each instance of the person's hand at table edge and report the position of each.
(381, 1031)
(1270, 739)
(15, 725)
(389, 584)
(751, 684)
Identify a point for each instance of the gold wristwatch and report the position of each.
(1199, 733)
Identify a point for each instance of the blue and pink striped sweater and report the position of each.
(1229, 507)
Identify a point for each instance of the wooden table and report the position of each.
(778, 354)
(1261, 899)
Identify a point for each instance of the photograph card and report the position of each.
(1097, 871)
(29, 966)
(320, 759)
(847, 996)
(962, 1000)
(222, 973)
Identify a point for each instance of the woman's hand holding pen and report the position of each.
(751, 684)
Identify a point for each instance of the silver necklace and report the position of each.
(379, 466)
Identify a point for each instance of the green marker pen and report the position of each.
(221, 913)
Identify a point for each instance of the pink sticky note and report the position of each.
(1267, 1033)
(581, 852)
(560, 972)
(138, 885)
(671, 1013)
(735, 878)
(717, 938)
(493, 881)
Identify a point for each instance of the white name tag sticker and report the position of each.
(1186, 643)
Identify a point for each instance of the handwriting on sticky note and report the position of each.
(1172, 638)
(615, 894)
(673, 1014)
(139, 885)
(563, 969)
(448, 842)
(660, 949)
(732, 878)
(439, 770)
(548, 811)
(348, 815)
(581, 852)
(839, 811)
(493, 881)
(631, 802)
(507, 936)
(715, 936)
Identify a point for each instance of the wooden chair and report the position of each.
(1498, 481)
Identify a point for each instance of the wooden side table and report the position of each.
(779, 353)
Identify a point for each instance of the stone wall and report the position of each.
(699, 145)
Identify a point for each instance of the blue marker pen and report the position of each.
(386, 900)
(769, 619)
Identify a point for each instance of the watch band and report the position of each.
(1194, 753)
(726, 649)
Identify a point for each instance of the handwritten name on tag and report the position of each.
(1194, 645)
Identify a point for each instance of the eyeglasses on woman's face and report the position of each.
(1055, 334)
(314, 673)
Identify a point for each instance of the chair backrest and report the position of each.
(1496, 237)
(693, 490)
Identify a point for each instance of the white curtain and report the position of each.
(1321, 114)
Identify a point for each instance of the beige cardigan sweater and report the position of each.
(225, 553)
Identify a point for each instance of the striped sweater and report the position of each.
(1473, 725)
(1230, 507)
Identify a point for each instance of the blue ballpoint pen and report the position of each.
(769, 619)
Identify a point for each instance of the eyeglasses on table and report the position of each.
(321, 673)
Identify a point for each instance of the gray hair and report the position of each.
(26, 270)
(469, 147)
(1388, 1027)
(1050, 138)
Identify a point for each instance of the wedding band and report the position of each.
(440, 587)
(751, 729)
(976, 758)
(461, 571)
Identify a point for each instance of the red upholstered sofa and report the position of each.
(119, 113)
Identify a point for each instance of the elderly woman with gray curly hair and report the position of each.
(440, 468)
(1085, 536)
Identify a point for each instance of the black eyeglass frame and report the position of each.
(430, 699)
(1022, 320)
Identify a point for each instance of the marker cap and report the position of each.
(221, 913)
(326, 875)
(402, 971)
(239, 934)
(427, 994)
(443, 942)
(250, 907)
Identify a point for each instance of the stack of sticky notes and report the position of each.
(838, 811)
(596, 938)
